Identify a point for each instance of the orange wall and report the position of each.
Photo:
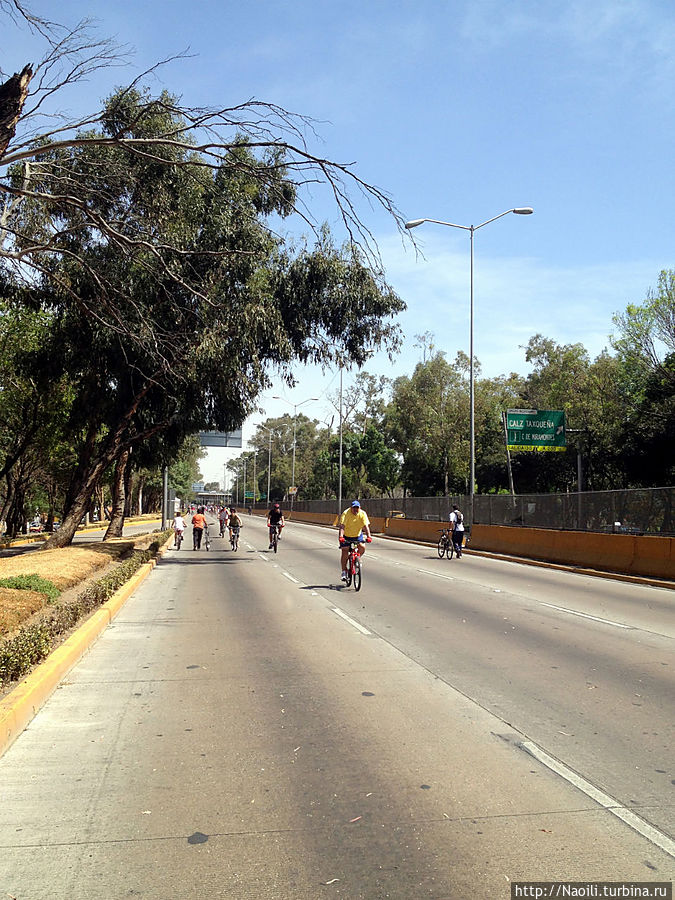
(627, 553)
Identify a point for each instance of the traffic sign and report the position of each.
(292, 491)
(535, 429)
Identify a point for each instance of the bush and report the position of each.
(32, 583)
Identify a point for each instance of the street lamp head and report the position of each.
(414, 223)
(524, 211)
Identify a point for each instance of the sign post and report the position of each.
(540, 430)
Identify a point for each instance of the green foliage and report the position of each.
(32, 583)
(428, 424)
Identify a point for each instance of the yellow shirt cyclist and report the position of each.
(354, 522)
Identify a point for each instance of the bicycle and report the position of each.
(445, 544)
(178, 540)
(234, 538)
(274, 537)
(207, 540)
(353, 566)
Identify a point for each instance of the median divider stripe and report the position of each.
(24, 702)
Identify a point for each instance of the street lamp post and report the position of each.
(295, 422)
(520, 211)
(339, 509)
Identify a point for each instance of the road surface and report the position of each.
(248, 728)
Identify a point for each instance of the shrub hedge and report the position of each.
(32, 583)
(33, 643)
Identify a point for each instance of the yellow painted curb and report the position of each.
(22, 704)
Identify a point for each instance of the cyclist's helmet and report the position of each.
(276, 506)
(200, 509)
(356, 504)
(232, 509)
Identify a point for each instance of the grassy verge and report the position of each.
(48, 616)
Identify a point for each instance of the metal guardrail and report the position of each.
(631, 511)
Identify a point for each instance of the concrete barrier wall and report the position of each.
(630, 554)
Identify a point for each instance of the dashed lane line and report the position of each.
(357, 625)
(574, 612)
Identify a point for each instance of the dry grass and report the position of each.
(17, 606)
(66, 566)
(69, 568)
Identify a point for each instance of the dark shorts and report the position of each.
(345, 542)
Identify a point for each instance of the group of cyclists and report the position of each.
(354, 527)
(229, 520)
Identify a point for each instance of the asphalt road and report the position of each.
(248, 728)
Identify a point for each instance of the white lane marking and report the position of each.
(351, 621)
(609, 803)
(290, 578)
(573, 612)
(263, 557)
(437, 574)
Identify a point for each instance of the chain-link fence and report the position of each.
(639, 511)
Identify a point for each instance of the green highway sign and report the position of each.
(535, 429)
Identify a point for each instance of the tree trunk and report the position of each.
(127, 486)
(116, 527)
(78, 507)
(141, 482)
(9, 496)
(13, 95)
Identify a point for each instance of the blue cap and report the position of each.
(355, 503)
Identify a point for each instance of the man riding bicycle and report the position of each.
(353, 523)
(223, 518)
(178, 527)
(275, 520)
(234, 522)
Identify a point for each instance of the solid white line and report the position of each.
(573, 612)
(609, 803)
(290, 578)
(350, 620)
(263, 557)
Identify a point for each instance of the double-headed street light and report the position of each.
(521, 211)
(295, 406)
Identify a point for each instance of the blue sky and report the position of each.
(459, 110)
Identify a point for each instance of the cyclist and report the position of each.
(234, 522)
(456, 520)
(275, 519)
(198, 526)
(353, 523)
(178, 526)
(223, 518)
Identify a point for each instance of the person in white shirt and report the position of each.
(456, 519)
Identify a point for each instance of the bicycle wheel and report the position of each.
(441, 546)
(450, 550)
(349, 572)
(275, 540)
(207, 542)
(357, 574)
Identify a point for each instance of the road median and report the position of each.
(19, 706)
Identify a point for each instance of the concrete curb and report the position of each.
(23, 703)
